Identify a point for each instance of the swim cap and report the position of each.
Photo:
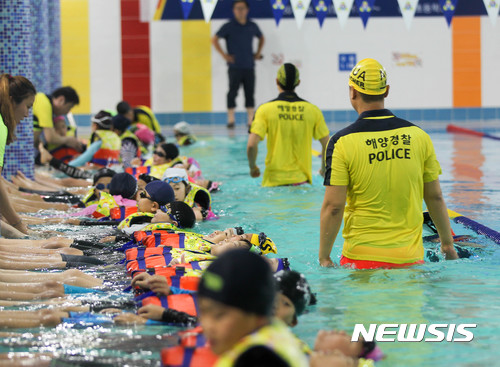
(160, 192)
(123, 184)
(170, 149)
(369, 77)
(182, 213)
(144, 134)
(288, 76)
(103, 120)
(294, 285)
(171, 174)
(103, 172)
(182, 128)
(264, 243)
(242, 280)
(147, 178)
(120, 122)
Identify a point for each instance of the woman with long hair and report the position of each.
(17, 95)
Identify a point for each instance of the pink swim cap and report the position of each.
(144, 134)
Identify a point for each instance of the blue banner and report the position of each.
(187, 5)
(365, 8)
(261, 9)
(448, 8)
(278, 8)
(321, 9)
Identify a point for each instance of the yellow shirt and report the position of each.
(3, 139)
(42, 112)
(384, 161)
(290, 124)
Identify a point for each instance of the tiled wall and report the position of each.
(54, 44)
(40, 55)
(15, 58)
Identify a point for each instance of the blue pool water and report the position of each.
(458, 292)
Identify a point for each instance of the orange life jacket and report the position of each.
(137, 253)
(163, 238)
(180, 302)
(64, 153)
(122, 212)
(181, 356)
(137, 171)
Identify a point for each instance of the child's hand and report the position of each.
(152, 312)
(141, 280)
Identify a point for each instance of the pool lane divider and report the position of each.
(462, 130)
(475, 226)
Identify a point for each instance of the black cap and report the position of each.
(103, 172)
(240, 279)
(171, 150)
(160, 192)
(294, 285)
(121, 123)
(183, 214)
(123, 184)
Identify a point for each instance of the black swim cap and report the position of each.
(121, 123)
(103, 172)
(171, 150)
(240, 279)
(123, 184)
(294, 285)
(182, 213)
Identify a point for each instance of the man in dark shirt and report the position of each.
(239, 34)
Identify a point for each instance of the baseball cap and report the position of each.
(288, 76)
(183, 128)
(369, 77)
(175, 175)
(294, 285)
(263, 242)
(103, 119)
(240, 279)
(160, 192)
(123, 184)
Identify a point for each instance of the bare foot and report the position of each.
(45, 156)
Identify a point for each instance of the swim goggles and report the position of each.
(168, 210)
(144, 195)
(174, 179)
(102, 186)
(160, 154)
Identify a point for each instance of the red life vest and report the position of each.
(176, 278)
(137, 253)
(180, 356)
(174, 240)
(142, 263)
(122, 212)
(180, 302)
(137, 171)
(64, 153)
(193, 338)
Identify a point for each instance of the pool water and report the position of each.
(459, 292)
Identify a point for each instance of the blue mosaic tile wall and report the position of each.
(40, 54)
(15, 58)
(54, 24)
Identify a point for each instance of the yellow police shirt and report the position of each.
(42, 112)
(290, 124)
(384, 161)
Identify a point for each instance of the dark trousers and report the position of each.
(236, 78)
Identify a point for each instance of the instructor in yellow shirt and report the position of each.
(290, 124)
(383, 166)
